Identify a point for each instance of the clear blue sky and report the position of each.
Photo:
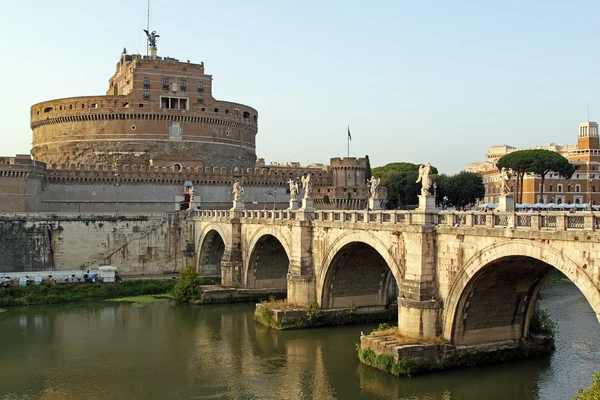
(416, 80)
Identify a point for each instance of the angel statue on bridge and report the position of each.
(293, 189)
(238, 192)
(374, 183)
(306, 185)
(425, 179)
(506, 176)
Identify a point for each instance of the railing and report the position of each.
(515, 220)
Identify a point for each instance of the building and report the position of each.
(582, 188)
(154, 108)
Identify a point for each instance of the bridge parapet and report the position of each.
(533, 221)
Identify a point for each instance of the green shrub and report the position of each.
(592, 393)
(542, 324)
(186, 288)
(313, 313)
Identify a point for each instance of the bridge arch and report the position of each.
(267, 260)
(509, 275)
(211, 248)
(371, 278)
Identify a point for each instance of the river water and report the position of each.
(164, 351)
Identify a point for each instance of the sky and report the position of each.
(416, 81)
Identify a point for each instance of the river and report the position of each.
(164, 351)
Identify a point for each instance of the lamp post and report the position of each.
(117, 188)
(590, 193)
(435, 194)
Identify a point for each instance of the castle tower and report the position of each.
(348, 171)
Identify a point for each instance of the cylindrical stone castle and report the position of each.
(155, 108)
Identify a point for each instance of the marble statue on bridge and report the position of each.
(425, 179)
(374, 183)
(505, 175)
(238, 192)
(293, 189)
(306, 185)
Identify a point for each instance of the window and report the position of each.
(216, 110)
(183, 85)
(165, 85)
(146, 94)
(173, 103)
(200, 99)
(146, 83)
(551, 188)
(200, 86)
(559, 188)
(577, 188)
(246, 114)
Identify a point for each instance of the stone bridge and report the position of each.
(469, 277)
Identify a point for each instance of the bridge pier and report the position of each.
(301, 281)
(232, 265)
(419, 312)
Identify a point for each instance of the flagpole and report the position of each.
(348, 140)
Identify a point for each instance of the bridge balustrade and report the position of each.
(534, 221)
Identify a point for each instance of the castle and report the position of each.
(157, 127)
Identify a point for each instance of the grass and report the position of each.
(2, 310)
(387, 330)
(79, 292)
(140, 301)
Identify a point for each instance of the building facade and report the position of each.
(582, 188)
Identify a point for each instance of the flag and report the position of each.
(349, 135)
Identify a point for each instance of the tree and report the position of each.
(389, 170)
(403, 189)
(368, 172)
(461, 189)
(186, 288)
(539, 162)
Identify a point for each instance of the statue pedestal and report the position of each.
(426, 202)
(293, 205)
(506, 203)
(152, 52)
(238, 205)
(307, 204)
(374, 204)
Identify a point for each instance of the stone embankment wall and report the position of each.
(135, 243)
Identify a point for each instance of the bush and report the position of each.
(593, 393)
(542, 324)
(186, 288)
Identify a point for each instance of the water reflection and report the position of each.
(163, 351)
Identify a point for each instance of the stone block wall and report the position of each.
(136, 244)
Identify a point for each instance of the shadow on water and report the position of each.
(165, 351)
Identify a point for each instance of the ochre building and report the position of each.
(582, 188)
(155, 109)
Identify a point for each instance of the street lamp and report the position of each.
(435, 193)
(117, 189)
(590, 193)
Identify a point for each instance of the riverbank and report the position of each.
(82, 292)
